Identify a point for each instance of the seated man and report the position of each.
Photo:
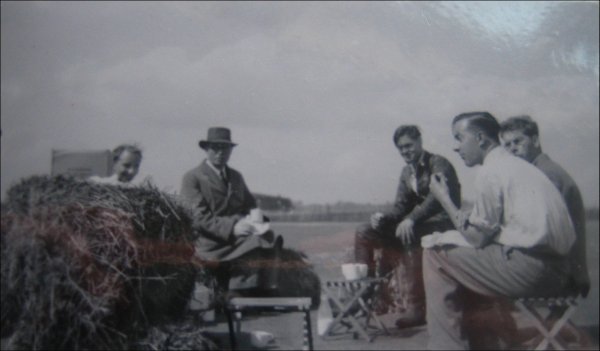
(416, 213)
(221, 203)
(521, 138)
(126, 164)
(514, 243)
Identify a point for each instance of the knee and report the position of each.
(429, 258)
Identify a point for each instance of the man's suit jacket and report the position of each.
(217, 206)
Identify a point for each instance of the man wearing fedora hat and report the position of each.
(221, 202)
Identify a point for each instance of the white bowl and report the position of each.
(354, 271)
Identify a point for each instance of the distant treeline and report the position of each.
(337, 212)
(273, 203)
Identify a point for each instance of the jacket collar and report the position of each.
(422, 161)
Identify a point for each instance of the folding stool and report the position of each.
(560, 310)
(348, 297)
(275, 304)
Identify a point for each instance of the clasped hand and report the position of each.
(438, 186)
(405, 232)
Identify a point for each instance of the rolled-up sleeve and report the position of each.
(401, 204)
(488, 204)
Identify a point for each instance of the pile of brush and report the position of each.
(92, 266)
(97, 266)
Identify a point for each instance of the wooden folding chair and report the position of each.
(556, 318)
(350, 300)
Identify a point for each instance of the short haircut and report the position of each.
(409, 130)
(132, 148)
(523, 123)
(481, 121)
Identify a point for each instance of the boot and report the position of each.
(411, 290)
(269, 274)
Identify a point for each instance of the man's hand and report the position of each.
(438, 186)
(242, 228)
(405, 232)
(376, 220)
(462, 218)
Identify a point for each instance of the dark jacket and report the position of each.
(216, 208)
(422, 206)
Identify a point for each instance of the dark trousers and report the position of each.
(367, 239)
(409, 296)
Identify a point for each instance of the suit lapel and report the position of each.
(222, 191)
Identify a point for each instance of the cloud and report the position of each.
(312, 90)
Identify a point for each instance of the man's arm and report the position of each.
(401, 202)
(204, 219)
(478, 235)
(430, 206)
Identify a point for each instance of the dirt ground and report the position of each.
(328, 245)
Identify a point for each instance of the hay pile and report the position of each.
(96, 266)
(91, 265)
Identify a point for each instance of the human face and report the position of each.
(127, 166)
(410, 149)
(219, 153)
(467, 143)
(521, 145)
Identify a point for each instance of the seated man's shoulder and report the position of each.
(440, 160)
(234, 172)
(195, 172)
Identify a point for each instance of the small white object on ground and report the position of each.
(260, 338)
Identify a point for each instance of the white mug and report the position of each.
(256, 215)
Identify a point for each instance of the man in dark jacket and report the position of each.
(520, 136)
(416, 213)
(222, 202)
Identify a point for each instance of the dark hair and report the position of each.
(410, 130)
(523, 123)
(481, 121)
(132, 148)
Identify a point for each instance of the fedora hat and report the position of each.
(220, 135)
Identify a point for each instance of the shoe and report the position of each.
(278, 243)
(404, 323)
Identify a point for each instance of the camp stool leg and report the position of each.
(307, 341)
(344, 314)
(561, 307)
(366, 306)
(356, 289)
(236, 305)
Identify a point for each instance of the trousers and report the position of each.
(406, 259)
(495, 271)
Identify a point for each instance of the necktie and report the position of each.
(223, 175)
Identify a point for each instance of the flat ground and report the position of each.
(327, 246)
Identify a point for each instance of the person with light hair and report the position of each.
(126, 160)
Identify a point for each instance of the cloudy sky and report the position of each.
(311, 90)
